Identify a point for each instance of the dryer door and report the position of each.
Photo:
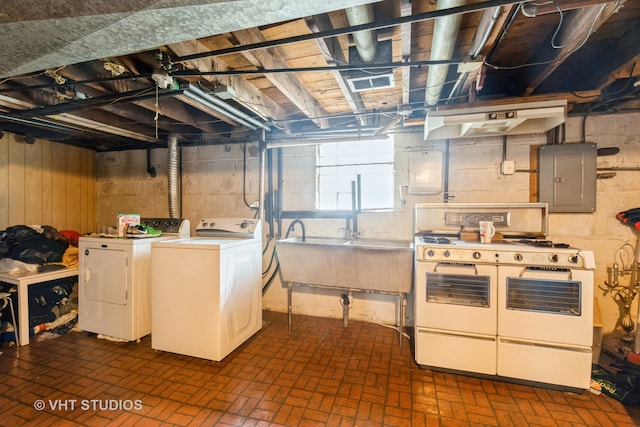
(104, 277)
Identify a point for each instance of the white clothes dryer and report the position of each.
(207, 290)
(114, 292)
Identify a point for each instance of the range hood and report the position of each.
(509, 119)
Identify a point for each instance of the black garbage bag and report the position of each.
(25, 244)
(4, 247)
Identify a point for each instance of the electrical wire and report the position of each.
(566, 55)
(265, 273)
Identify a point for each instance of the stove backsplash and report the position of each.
(510, 219)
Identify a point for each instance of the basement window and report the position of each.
(339, 163)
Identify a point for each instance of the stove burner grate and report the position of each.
(436, 240)
(543, 243)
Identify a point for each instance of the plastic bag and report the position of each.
(622, 386)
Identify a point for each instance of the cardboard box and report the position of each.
(125, 220)
(474, 236)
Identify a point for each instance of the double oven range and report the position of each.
(519, 308)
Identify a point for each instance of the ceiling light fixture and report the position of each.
(116, 69)
(530, 9)
(55, 76)
(162, 78)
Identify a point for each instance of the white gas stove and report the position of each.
(521, 305)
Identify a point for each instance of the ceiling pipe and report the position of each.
(485, 28)
(223, 107)
(385, 23)
(445, 33)
(366, 41)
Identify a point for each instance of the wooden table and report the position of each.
(22, 280)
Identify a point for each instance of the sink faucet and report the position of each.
(291, 227)
(348, 234)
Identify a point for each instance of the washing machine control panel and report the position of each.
(177, 226)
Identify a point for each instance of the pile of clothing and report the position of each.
(40, 249)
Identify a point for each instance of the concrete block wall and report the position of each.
(212, 183)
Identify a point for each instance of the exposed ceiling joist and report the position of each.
(576, 29)
(333, 53)
(284, 71)
(288, 84)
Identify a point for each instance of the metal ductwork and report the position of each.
(366, 41)
(173, 177)
(445, 33)
(368, 50)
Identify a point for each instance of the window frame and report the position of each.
(378, 199)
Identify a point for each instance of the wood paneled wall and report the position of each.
(46, 183)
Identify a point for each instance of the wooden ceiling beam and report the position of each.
(334, 55)
(288, 84)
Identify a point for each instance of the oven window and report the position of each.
(456, 289)
(546, 296)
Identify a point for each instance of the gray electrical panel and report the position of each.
(567, 177)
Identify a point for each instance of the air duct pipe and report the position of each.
(445, 33)
(173, 177)
(366, 41)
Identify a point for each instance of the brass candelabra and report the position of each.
(624, 265)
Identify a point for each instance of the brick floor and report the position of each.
(321, 374)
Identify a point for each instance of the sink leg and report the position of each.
(345, 309)
(289, 290)
(401, 319)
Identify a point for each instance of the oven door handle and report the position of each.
(447, 265)
(547, 271)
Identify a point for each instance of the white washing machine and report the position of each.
(114, 292)
(207, 290)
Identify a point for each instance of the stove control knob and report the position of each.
(446, 254)
(517, 257)
(430, 253)
(573, 259)
(553, 257)
(476, 255)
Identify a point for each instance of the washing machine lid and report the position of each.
(229, 228)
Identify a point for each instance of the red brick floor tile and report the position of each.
(322, 374)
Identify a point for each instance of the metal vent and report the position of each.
(364, 79)
(472, 291)
(544, 296)
(372, 82)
